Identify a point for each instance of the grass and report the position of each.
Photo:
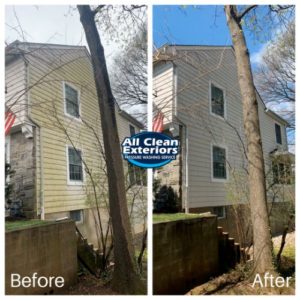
(21, 224)
(172, 217)
(288, 251)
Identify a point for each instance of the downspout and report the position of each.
(186, 152)
(186, 163)
(42, 202)
(186, 171)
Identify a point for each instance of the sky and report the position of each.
(206, 25)
(55, 24)
(203, 25)
(60, 24)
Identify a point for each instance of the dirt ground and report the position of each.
(90, 285)
(234, 282)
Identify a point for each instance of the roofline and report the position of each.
(130, 118)
(195, 45)
(270, 112)
(32, 44)
(277, 117)
(22, 52)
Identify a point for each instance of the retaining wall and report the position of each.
(185, 253)
(48, 249)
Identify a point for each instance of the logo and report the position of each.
(150, 149)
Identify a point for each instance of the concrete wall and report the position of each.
(48, 249)
(238, 220)
(185, 253)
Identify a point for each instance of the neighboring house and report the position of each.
(197, 90)
(55, 144)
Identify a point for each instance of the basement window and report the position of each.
(77, 215)
(220, 212)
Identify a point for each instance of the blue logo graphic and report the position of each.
(150, 149)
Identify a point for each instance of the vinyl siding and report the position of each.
(163, 90)
(15, 83)
(196, 69)
(48, 69)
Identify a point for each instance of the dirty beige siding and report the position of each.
(15, 83)
(48, 69)
(163, 90)
(196, 69)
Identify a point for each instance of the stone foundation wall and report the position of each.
(22, 159)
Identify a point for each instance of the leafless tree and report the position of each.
(129, 79)
(262, 242)
(125, 277)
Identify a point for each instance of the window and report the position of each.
(278, 134)
(77, 215)
(220, 212)
(71, 101)
(219, 163)
(75, 165)
(217, 101)
(131, 130)
(282, 173)
(136, 175)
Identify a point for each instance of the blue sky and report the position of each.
(204, 25)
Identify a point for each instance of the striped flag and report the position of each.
(158, 122)
(9, 121)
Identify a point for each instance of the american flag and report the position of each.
(9, 121)
(158, 122)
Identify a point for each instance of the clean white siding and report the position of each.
(196, 68)
(267, 128)
(163, 90)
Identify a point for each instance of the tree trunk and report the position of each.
(257, 183)
(125, 277)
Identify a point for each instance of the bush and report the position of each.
(166, 200)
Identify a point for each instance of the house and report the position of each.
(55, 144)
(197, 90)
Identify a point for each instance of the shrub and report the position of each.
(166, 200)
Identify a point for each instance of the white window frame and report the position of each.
(210, 103)
(74, 182)
(224, 212)
(81, 216)
(65, 102)
(213, 179)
